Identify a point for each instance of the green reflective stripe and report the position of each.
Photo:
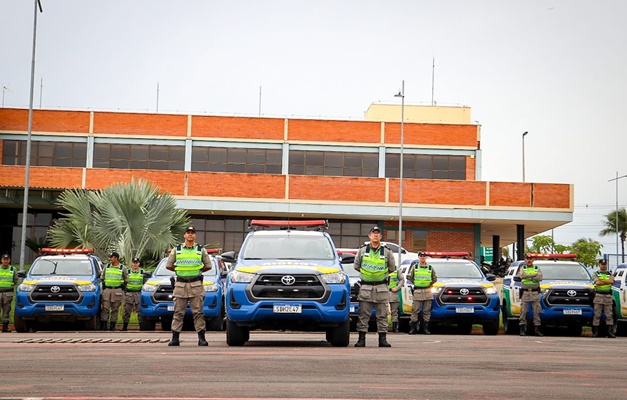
(603, 276)
(373, 268)
(135, 281)
(530, 271)
(6, 278)
(393, 280)
(188, 261)
(113, 276)
(422, 276)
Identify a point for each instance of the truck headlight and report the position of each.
(436, 290)
(242, 277)
(336, 277)
(490, 290)
(149, 288)
(87, 288)
(211, 287)
(24, 287)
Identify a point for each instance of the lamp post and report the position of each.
(401, 94)
(28, 140)
(616, 222)
(523, 153)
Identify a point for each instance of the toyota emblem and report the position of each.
(55, 289)
(288, 280)
(571, 293)
(464, 292)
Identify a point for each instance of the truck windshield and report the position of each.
(61, 266)
(466, 269)
(563, 271)
(288, 247)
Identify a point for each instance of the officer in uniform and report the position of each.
(531, 276)
(374, 262)
(113, 277)
(8, 279)
(189, 260)
(422, 276)
(395, 286)
(134, 284)
(603, 281)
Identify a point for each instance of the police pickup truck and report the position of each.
(566, 294)
(462, 296)
(157, 304)
(286, 277)
(619, 294)
(62, 285)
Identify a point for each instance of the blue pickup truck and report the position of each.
(285, 278)
(157, 305)
(62, 285)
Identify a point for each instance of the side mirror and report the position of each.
(224, 272)
(347, 258)
(517, 278)
(490, 277)
(228, 256)
(147, 274)
(21, 274)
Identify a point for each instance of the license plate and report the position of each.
(170, 308)
(287, 308)
(572, 312)
(464, 310)
(55, 308)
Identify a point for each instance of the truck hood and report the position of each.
(556, 283)
(288, 267)
(462, 282)
(60, 279)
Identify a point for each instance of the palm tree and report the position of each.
(134, 219)
(612, 226)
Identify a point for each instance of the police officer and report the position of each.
(395, 286)
(374, 262)
(531, 276)
(189, 260)
(8, 279)
(422, 276)
(134, 283)
(603, 281)
(113, 277)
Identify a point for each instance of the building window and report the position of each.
(137, 156)
(45, 154)
(333, 163)
(421, 166)
(236, 160)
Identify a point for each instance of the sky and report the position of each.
(553, 68)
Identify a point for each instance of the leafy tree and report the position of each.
(37, 243)
(612, 226)
(134, 219)
(542, 244)
(587, 251)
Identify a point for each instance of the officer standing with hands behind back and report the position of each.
(114, 277)
(374, 262)
(189, 260)
(134, 285)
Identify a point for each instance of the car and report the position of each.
(463, 295)
(288, 277)
(156, 300)
(62, 285)
(619, 295)
(566, 294)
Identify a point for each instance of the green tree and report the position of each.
(587, 251)
(541, 244)
(134, 219)
(613, 225)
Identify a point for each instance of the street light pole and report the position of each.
(523, 154)
(28, 140)
(401, 94)
(616, 222)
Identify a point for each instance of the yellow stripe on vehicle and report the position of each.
(259, 268)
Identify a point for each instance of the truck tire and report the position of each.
(491, 328)
(146, 324)
(340, 336)
(575, 330)
(509, 326)
(91, 324)
(463, 328)
(215, 323)
(20, 325)
(236, 335)
(166, 324)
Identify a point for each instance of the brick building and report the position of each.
(224, 170)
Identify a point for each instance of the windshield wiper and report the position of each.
(54, 271)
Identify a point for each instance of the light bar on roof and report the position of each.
(53, 250)
(552, 256)
(340, 252)
(317, 223)
(447, 253)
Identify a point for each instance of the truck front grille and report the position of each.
(163, 294)
(273, 286)
(67, 293)
(463, 295)
(570, 297)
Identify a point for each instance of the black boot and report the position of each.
(201, 339)
(426, 329)
(125, 326)
(611, 331)
(413, 327)
(112, 326)
(5, 327)
(523, 329)
(595, 331)
(536, 331)
(361, 342)
(394, 326)
(175, 339)
(383, 340)
(103, 325)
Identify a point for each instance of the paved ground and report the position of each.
(107, 365)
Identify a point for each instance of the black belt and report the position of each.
(6, 290)
(112, 287)
(188, 278)
(529, 290)
(374, 283)
(133, 291)
(598, 292)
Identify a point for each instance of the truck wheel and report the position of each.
(464, 329)
(146, 324)
(510, 327)
(20, 325)
(341, 335)
(214, 324)
(621, 328)
(91, 324)
(574, 330)
(236, 335)
(491, 328)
